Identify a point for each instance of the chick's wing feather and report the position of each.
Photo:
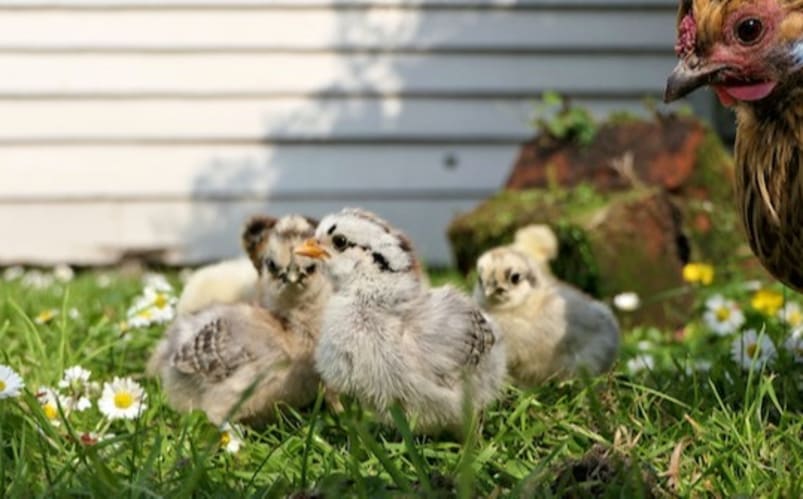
(454, 334)
(213, 352)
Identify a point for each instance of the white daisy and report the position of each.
(627, 302)
(46, 316)
(644, 345)
(640, 362)
(230, 438)
(791, 314)
(749, 350)
(157, 282)
(698, 366)
(74, 314)
(49, 400)
(63, 273)
(794, 345)
(13, 273)
(154, 306)
(78, 389)
(723, 316)
(10, 383)
(37, 280)
(123, 398)
(103, 281)
(74, 374)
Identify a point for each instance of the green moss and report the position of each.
(713, 173)
(495, 222)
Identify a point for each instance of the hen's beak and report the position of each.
(311, 249)
(685, 79)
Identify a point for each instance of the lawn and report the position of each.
(681, 414)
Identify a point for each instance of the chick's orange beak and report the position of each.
(311, 249)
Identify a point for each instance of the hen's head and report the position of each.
(746, 50)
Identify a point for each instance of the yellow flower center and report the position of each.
(51, 412)
(145, 314)
(160, 301)
(723, 314)
(123, 400)
(795, 318)
(752, 350)
(225, 438)
(2, 385)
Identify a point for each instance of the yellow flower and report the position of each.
(698, 273)
(46, 316)
(767, 301)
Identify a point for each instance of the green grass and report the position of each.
(658, 431)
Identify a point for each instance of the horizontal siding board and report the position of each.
(219, 4)
(326, 30)
(147, 173)
(188, 232)
(309, 73)
(277, 120)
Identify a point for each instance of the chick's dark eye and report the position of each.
(272, 267)
(339, 241)
(515, 278)
(310, 269)
(749, 31)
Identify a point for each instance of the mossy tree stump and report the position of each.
(630, 209)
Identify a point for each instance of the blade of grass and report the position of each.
(412, 451)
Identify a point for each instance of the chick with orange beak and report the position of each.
(388, 338)
(750, 52)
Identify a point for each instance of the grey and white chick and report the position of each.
(551, 330)
(388, 338)
(258, 354)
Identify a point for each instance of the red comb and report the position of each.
(687, 36)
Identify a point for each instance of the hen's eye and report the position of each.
(340, 242)
(749, 31)
(272, 267)
(310, 269)
(515, 278)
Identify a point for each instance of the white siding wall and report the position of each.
(145, 126)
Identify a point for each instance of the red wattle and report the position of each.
(753, 92)
(724, 97)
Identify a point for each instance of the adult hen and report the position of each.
(751, 54)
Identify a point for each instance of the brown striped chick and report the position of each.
(388, 338)
(551, 330)
(209, 360)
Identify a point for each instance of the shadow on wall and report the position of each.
(355, 142)
(413, 134)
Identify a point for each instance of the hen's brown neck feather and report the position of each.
(769, 183)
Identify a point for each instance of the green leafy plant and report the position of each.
(555, 116)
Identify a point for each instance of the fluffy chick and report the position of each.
(551, 330)
(539, 242)
(229, 281)
(388, 338)
(257, 356)
(261, 276)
